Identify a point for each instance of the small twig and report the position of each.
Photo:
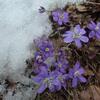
(94, 3)
(97, 90)
(92, 68)
(77, 53)
(64, 93)
(69, 93)
(50, 96)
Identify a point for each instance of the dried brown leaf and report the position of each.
(85, 95)
(81, 8)
(89, 72)
(95, 92)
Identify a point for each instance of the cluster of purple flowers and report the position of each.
(52, 68)
(55, 74)
(76, 34)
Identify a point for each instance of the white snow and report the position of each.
(20, 23)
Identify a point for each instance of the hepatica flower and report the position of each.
(76, 74)
(61, 65)
(77, 35)
(46, 47)
(45, 80)
(95, 30)
(60, 81)
(60, 16)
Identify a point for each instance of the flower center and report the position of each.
(60, 65)
(61, 16)
(76, 35)
(47, 49)
(61, 79)
(97, 28)
(77, 73)
(46, 80)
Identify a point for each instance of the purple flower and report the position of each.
(54, 81)
(45, 80)
(95, 30)
(60, 16)
(46, 48)
(77, 35)
(61, 65)
(76, 74)
(60, 80)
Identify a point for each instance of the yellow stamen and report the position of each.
(47, 49)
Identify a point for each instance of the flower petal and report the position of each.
(78, 43)
(74, 82)
(84, 39)
(58, 87)
(43, 69)
(82, 79)
(98, 35)
(60, 22)
(57, 84)
(65, 76)
(68, 34)
(51, 87)
(98, 24)
(81, 71)
(65, 19)
(42, 88)
(62, 70)
(65, 14)
(71, 73)
(77, 29)
(92, 25)
(55, 13)
(43, 74)
(76, 66)
(92, 34)
(37, 79)
(82, 31)
(68, 39)
(55, 18)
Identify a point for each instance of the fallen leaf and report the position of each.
(85, 95)
(81, 8)
(96, 92)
